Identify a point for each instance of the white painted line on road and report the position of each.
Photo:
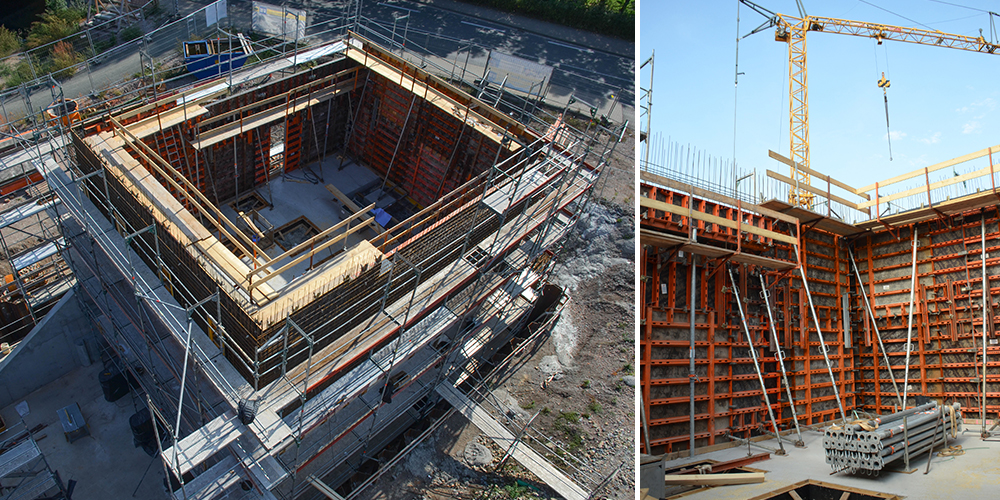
(398, 7)
(574, 47)
(484, 27)
(564, 65)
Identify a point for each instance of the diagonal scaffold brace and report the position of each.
(819, 333)
(878, 336)
(780, 355)
(756, 364)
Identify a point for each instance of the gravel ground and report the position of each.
(580, 382)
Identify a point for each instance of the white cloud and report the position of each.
(971, 127)
(920, 161)
(934, 139)
(896, 135)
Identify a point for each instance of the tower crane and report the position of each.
(793, 30)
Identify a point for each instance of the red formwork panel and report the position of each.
(728, 397)
(948, 315)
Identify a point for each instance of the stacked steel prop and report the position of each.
(871, 445)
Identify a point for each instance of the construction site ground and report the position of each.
(967, 476)
(579, 381)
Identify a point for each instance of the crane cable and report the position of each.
(883, 83)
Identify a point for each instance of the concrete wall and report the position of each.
(46, 353)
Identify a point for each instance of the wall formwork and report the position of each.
(947, 335)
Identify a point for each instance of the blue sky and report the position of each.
(943, 102)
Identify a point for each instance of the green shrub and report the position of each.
(53, 26)
(9, 42)
(130, 33)
(63, 56)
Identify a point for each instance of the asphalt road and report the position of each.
(445, 35)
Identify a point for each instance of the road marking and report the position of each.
(606, 75)
(574, 47)
(398, 7)
(483, 27)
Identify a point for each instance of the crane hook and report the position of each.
(883, 83)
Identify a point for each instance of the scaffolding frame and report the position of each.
(132, 335)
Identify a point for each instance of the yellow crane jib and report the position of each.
(792, 30)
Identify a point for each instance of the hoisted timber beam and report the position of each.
(927, 187)
(756, 364)
(817, 191)
(818, 175)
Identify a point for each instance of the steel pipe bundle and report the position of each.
(870, 445)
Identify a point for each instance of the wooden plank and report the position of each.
(715, 479)
(191, 190)
(923, 189)
(933, 168)
(794, 495)
(524, 454)
(353, 207)
(480, 123)
(835, 182)
(230, 130)
(663, 240)
(674, 209)
(162, 121)
(173, 97)
(815, 190)
(819, 221)
(204, 442)
(308, 254)
(696, 191)
(845, 496)
(970, 202)
(283, 95)
(310, 242)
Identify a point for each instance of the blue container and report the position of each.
(210, 58)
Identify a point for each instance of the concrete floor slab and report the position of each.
(105, 464)
(970, 476)
(303, 192)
